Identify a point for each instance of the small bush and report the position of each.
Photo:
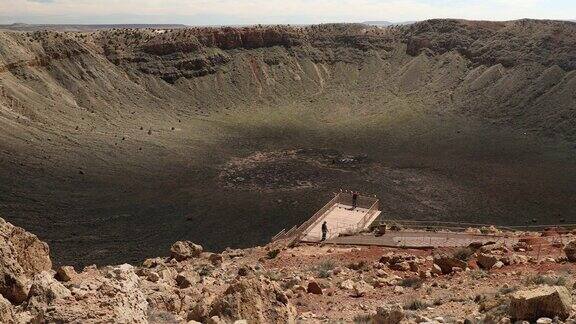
(411, 282)
(324, 268)
(205, 271)
(363, 319)
(480, 298)
(416, 304)
(463, 254)
(273, 253)
(547, 280)
(477, 274)
(507, 290)
(357, 265)
(272, 275)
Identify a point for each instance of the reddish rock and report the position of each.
(486, 261)
(473, 265)
(448, 262)
(314, 288)
(570, 251)
(65, 273)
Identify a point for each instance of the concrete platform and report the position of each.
(340, 218)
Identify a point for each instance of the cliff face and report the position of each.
(106, 134)
(280, 62)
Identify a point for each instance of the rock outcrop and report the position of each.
(389, 314)
(448, 263)
(257, 299)
(543, 301)
(110, 296)
(22, 256)
(183, 250)
(6, 311)
(570, 251)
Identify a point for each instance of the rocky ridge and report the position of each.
(276, 284)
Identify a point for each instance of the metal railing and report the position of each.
(371, 211)
(296, 233)
(300, 231)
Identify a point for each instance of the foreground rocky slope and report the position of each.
(307, 284)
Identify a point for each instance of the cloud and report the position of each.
(278, 11)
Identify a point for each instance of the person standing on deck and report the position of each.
(354, 200)
(324, 231)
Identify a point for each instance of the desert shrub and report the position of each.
(205, 270)
(463, 254)
(324, 268)
(416, 304)
(507, 290)
(273, 253)
(547, 280)
(272, 275)
(477, 274)
(357, 265)
(411, 282)
(363, 319)
(480, 298)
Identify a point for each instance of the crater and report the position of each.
(289, 169)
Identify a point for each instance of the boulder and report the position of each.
(314, 288)
(32, 254)
(570, 250)
(389, 314)
(347, 284)
(45, 291)
(400, 266)
(413, 266)
(424, 274)
(112, 295)
(521, 246)
(216, 259)
(257, 299)
(6, 311)
(447, 262)
(486, 261)
(498, 265)
(66, 273)
(201, 310)
(361, 288)
(435, 269)
(46, 287)
(490, 230)
(183, 250)
(543, 301)
(215, 320)
(22, 255)
(187, 278)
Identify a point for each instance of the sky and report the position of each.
(239, 12)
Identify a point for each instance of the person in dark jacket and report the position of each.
(324, 230)
(354, 200)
